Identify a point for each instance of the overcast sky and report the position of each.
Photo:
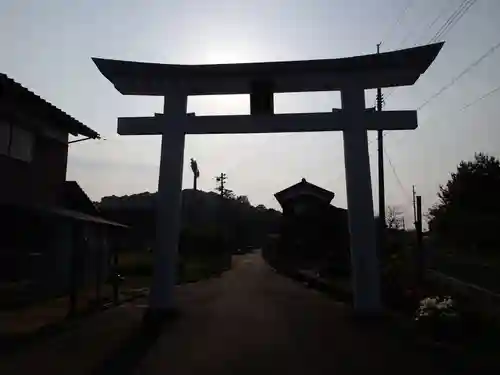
(47, 46)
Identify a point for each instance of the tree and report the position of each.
(239, 223)
(221, 188)
(243, 199)
(394, 218)
(467, 215)
(229, 194)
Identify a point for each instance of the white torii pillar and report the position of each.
(168, 206)
(364, 261)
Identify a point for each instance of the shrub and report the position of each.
(438, 308)
(203, 242)
(397, 284)
(439, 317)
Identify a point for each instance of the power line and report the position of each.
(468, 105)
(463, 108)
(408, 36)
(399, 18)
(463, 8)
(448, 25)
(440, 14)
(448, 21)
(369, 156)
(434, 21)
(403, 189)
(461, 75)
(426, 28)
(482, 97)
(396, 175)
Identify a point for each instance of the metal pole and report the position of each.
(114, 253)
(420, 250)
(222, 178)
(80, 140)
(381, 185)
(414, 206)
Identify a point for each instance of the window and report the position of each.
(16, 142)
(21, 144)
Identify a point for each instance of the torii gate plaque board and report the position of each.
(351, 76)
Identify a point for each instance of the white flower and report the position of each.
(429, 302)
(432, 306)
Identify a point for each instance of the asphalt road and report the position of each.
(254, 321)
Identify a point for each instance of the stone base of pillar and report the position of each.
(154, 319)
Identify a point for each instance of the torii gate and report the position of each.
(351, 76)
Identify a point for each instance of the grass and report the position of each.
(481, 271)
(469, 351)
(31, 318)
(193, 267)
(136, 267)
(199, 268)
(135, 264)
(478, 352)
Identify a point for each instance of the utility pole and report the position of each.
(224, 193)
(420, 248)
(381, 185)
(221, 180)
(414, 206)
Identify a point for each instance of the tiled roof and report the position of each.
(65, 121)
(301, 188)
(54, 211)
(72, 196)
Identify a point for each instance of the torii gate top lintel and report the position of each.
(389, 69)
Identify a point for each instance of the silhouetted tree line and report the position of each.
(467, 215)
(209, 222)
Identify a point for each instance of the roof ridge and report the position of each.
(78, 128)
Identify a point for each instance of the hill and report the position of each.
(240, 223)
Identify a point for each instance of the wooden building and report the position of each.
(53, 239)
(313, 231)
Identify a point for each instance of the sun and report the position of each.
(221, 55)
(231, 52)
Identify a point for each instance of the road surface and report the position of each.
(249, 321)
(254, 321)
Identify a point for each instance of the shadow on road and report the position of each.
(128, 356)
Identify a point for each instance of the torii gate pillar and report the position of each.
(365, 277)
(168, 206)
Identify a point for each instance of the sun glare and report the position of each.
(224, 56)
(231, 53)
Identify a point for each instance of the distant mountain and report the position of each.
(242, 223)
(141, 200)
